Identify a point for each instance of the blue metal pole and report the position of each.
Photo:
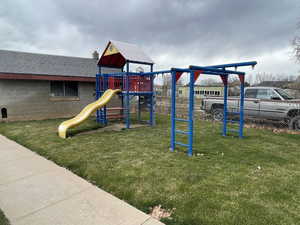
(152, 116)
(139, 108)
(147, 73)
(251, 63)
(127, 102)
(104, 108)
(173, 110)
(191, 114)
(214, 70)
(96, 97)
(98, 89)
(225, 107)
(242, 100)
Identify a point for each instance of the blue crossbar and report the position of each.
(234, 113)
(233, 121)
(182, 144)
(181, 132)
(182, 120)
(233, 130)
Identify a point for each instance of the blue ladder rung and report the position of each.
(181, 132)
(233, 130)
(233, 121)
(182, 144)
(182, 120)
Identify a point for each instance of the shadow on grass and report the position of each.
(84, 130)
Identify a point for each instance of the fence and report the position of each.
(163, 107)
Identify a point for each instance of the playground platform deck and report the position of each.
(34, 190)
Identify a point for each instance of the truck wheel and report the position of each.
(217, 114)
(295, 123)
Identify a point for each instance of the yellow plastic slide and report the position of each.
(86, 112)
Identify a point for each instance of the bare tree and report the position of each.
(233, 80)
(261, 77)
(167, 81)
(166, 85)
(296, 48)
(209, 82)
(296, 45)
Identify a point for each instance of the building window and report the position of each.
(217, 93)
(64, 89)
(4, 113)
(201, 92)
(180, 92)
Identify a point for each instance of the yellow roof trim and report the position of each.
(111, 49)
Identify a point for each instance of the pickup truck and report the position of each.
(261, 103)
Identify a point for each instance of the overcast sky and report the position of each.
(173, 32)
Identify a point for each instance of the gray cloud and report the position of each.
(176, 31)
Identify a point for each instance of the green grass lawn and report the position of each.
(255, 180)
(3, 219)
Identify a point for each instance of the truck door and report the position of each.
(270, 106)
(251, 105)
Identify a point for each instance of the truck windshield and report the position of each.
(283, 94)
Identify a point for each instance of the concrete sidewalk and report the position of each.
(35, 191)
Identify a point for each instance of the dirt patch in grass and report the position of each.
(159, 213)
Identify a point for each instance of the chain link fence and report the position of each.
(287, 125)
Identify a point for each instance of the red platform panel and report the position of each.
(139, 84)
(115, 83)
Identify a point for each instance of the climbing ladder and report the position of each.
(194, 72)
(176, 74)
(240, 113)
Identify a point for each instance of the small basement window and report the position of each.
(64, 89)
(4, 113)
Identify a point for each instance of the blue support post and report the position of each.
(242, 100)
(173, 110)
(139, 108)
(127, 101)
(152, 116)
(98, 89)
(96, 96)
(105, 87)
(225, 105)
(191, 114)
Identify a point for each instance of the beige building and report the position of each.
(38, 86)
(183, 91)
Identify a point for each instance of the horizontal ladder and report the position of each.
(182, 144)
(182, 132)
(181, 120)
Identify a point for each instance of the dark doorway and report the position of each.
(4, 113)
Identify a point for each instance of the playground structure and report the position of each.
(140, 84)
